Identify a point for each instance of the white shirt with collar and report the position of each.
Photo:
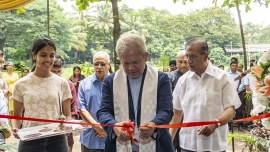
(236, 83)
(250, 80)
(204, 99)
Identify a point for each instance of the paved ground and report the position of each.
(239, 145)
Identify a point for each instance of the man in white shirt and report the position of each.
(249, 82)
(240, 88)
(205, 93)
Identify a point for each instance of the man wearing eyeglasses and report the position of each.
(89, 96)
(205, 93)
(139, 93)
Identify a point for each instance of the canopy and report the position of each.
(6, 5)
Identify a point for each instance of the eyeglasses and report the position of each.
(100, 64)
(192, 56)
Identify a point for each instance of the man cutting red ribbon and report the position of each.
(136, 92)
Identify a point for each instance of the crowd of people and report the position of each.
(194, 89)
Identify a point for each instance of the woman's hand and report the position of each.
(15, 133)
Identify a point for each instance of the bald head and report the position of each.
(240, 67)
(181, 62)
(181, 54)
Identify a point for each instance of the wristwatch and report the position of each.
(218, 124)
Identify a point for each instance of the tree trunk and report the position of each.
(2, 43)
(242, 35)
(116, 31)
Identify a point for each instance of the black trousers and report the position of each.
(85, 149)
(176, 141)
(50, 144)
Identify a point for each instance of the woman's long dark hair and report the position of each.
(77, 67)
(37, 46)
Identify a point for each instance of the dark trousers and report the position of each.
(176, 141)
(85, 149)
(50, 144)
(239, 110)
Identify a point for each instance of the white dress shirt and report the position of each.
(241, 87)
(204, 99)
(250, 80)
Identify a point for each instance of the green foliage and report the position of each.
(86, 69)
(251, 32)
(163, 61)
(219, 56)
(67, 72)
(265, 69)
(248, 95)
(9, 147)
(260, 144)
(19, 31)
(264, 35)
(84, 4)
(19, 68)
(232, 3)
(215, 25)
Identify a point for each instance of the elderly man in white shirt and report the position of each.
(205, 93)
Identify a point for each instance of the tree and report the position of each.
(78, 39)
(251, 32)
(165, 34)
(264, 35)
(27, 27)
(163, 61)
(103, 20)
(236, 3)
(132, 24)
(84, 4)
(219, 56)
(215, 25)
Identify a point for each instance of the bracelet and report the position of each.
(218, 124)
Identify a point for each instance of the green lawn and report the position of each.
(67, 72)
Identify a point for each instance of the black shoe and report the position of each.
(240, 129)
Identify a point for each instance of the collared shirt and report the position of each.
(174, 76)
(204, 99)
(3, 108)
(135, 85)
(241, 87)
(89, 97)
(250, 80)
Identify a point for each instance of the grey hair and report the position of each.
(11, 63)
(130, 40)
(101, 53)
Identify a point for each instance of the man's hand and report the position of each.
(146, 130)
(119, 133)
(207, 130)
(99, 131)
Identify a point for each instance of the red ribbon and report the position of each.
(131, 124)
(129, 127)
